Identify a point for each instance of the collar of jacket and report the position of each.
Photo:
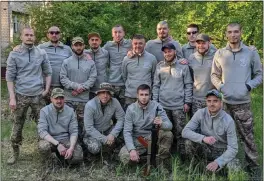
(189, 46)
(79, 56)
(166, 40)
(217, 115)
(141, 107)
(56, 110)
(99, 102)
(95, 51)
(139, 55)
(120, 42)
(60, 44)
(25, 47)
(241, 46)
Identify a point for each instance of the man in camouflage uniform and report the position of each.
(140, 117)
(25, 85)
(236, 70)
(213, 134)
(78, 75)
(58, 130)
(172, 88)
(98, 113)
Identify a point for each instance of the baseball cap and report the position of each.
(202, 37)
(169, 46)
(77, 40)
(105, 87)
(93, 34)
(215, 93)
(57, 92)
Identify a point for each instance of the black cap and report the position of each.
(169, 46)
(215, 93)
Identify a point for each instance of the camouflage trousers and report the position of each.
(119, 94)
(207, 153)
(47, 97)
(23, 103)
(165, 139)
(79, 110)
(128, 101)
(178, 119)
(197, 104)
(46, 149)
(243, 118)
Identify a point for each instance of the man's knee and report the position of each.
(93, 145)
(44, 146)
(124, 155)
(77, 156)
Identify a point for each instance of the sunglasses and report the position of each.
(193, 32)
(54, 32)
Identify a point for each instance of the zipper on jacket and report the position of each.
(138, 60)
(117, 47)
(170, 69)
(78, 62)
(234, 55)
(94, 55)
(55, 49)
(202, 59)
(28, 55)
(57, 117)
(212, 123)
(143, 114)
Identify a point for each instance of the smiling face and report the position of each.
(214, 104)
(138, 45)
(169, 54)
(104, 96)
(202, 46)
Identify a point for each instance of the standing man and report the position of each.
(236, 71)
(154, 46)
(217, 140)
(100, 57)
(57, 52)
(190, 47)
(173, 90)
(140, 117)
(200, 64)
(117, 49)
(137, 70)
(25, 85)
(78, 75)
(98, 123)
(58, 130)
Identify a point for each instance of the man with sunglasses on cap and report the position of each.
(77, 75)
(100, 57)
(172, 88)
(216, 140)
(58, 130)
(99, 129)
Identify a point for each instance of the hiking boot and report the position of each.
(14, 157)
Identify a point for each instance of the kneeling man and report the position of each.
(98, 113)
(216, 135)
(140, 116)
(58, 130)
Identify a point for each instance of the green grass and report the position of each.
(30, 166)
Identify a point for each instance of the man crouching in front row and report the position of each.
(58, 130)
(140, 116)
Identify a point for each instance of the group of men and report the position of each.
(94, 95)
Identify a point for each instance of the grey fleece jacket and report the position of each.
(187, 49)
(26, 69)
(138, 70)
(138, 121)
(97, 121)
(200, 67)
(154, 47)
(117, 52)
(77, 71)
(173, 85)
(56, 56)
(100, 58)
(221, 126)
(59, 124)
(231, 71)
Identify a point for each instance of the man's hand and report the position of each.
(252, 48)
(110, 139)
(12, 104)
(158, 121)
(80, 90)
(183, 61)
(69, 153)
(74, 93)
(186, 108)
(130, 54)
(212, 166)
(134, 155)
(210, 140)
(88, 56)
(62, 150)
(44, 93)
(17, 49)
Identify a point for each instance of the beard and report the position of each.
(54, 41)
(78, 53)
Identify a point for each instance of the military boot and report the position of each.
(14, 156)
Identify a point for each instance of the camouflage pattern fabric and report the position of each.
(47, 148)
(197, 104)
(119, 94)
(165, 139)
(243, 118)
(47, 97)
(129, 101)
(23, 103)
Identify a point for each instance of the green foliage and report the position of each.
(80, 18)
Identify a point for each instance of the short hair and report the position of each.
(138, 36)
(118, 26)
(27, 27)
(143, 87)
(192, 25)
(164, 22)
(234, 24)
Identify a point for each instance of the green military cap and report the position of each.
(105, 87)
(57, 92)
(215, 93)
(93, 34)
(77, 40)
(202, 37)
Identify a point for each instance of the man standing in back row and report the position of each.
(236, 70)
